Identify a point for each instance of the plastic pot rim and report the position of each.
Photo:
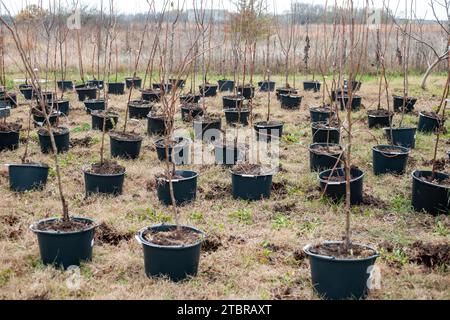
(402, 150)
(308, 247)
(85, 171)
(39, 166)
(341, 182)
(235, 110)
(311, 148)
(36, 231)
(66, 131)
(141, 240)
(269, 174)
(413, 174)
(399, 129)
(315, 109)
(185, 141)
(259, 125)
(195, 176)
(140, 139)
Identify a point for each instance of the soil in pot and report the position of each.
(139, 109)
(390, 160)
(178, 149)
(325, 156)
(379, 118)
(233, 102)
(338, 274)
(266, 131)
(236, 116)
(333, 183)
(429, 122)
(62, 139)
(99, 116)
(106, 178)
(64, 244)
(151, 95)
(27, 177)
(326, 132)
(184, 187)
(251, 182)
(190, 111)
(125, 145)
(171, 252)
(430, 193)
(320, 114)
(9, 136)
(207, 128)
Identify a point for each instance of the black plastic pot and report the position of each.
(378, 121)
(356, 85)
(27, 177)
(62, 141)
(267, 132)
(65, 85)
(266, 86)
(356, 102)
(156, 125)
(321, 161)
(232, 102)
(10, 98)
(9, 140)
(312, 86)
(404, 137)
(177, 262)
(336, 191)
(63, 106)
(151, 96)
(190, 98)
(325, 135)
(234, 116)
(290, 102)
(189, 112)
(340, 279)
(336, 94)
(27, 91)
(135, 83)
(116, 88)
(207, 130)
(248, 92)
(99, 84)
(111, 184)
(97, 122)
(429, 197)
(210, 90)
(285, 91)
(139, 109)
(399, 101)
(94, 105)
(228, 155)
(226, 85)
(46, 95)
(125, 149)
(320, 114)
(40, 121)
(85, 93)
(180, 84)
(180, 152)
(167, 88)
(185, 189)
(250, 187)
(386, 161)
(68, 248)
(428, 124)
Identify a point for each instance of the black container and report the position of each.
(267, 132)
(99, 84)
(151, 95)
(65, 85)
(399, 101)
(321, 161)
(62, 141)
(9, 140)
(266, 86)
(232, 102)
(156, 125)
(248, 92)
(111, 184)
(404, 137)
(190, 98)
(320, 114)
(209, 130)
(139, 109)
(385, 162)
(311, 86)
(226, 85)
(290, 102)
(46, 95)
(94, 105)
(210, 90)
(97, 121)
(356, 85)
(337, 94)
(234, 116)
(125, 149)
(228, 155)
(250, 187)
(167, 88)
(180, 152)
(10, 98)
(429, 197)
(177, 262)
(326, 134)
(340, 279)
(336, 191)
(65, 249)
(190, 112)
(85, 93)
(27, 91)
(117, 88)
(180, 84)
(27, 177)
(185, 189)
(379, 121)
(40, 121)
(428, 124)
(135, 83)
(356, 102)
(285, 91)
(63, 106)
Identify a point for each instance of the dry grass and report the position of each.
(254, 248)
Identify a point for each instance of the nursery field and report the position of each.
(253, 250)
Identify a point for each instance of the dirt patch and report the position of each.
(280, 188)
(60, 226)
(217, 192)
(370, 200)
(10, 127)
(106, 234)
(107, 168)
(86, 142)
(284, 207)
(314, 193)
(211, 244)
(174, 238)
(338, 251)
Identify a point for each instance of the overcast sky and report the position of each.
(135, 6)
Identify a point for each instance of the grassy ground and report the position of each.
(254, 249)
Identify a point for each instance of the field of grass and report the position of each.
(254, 250)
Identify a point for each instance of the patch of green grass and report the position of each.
(397, 256)
(149, 214)
(197, 216)
(441, 229)
(5, 275)
(85, 127)
(401, 204)
(281, 222)
(309, 226)
(242, 215)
